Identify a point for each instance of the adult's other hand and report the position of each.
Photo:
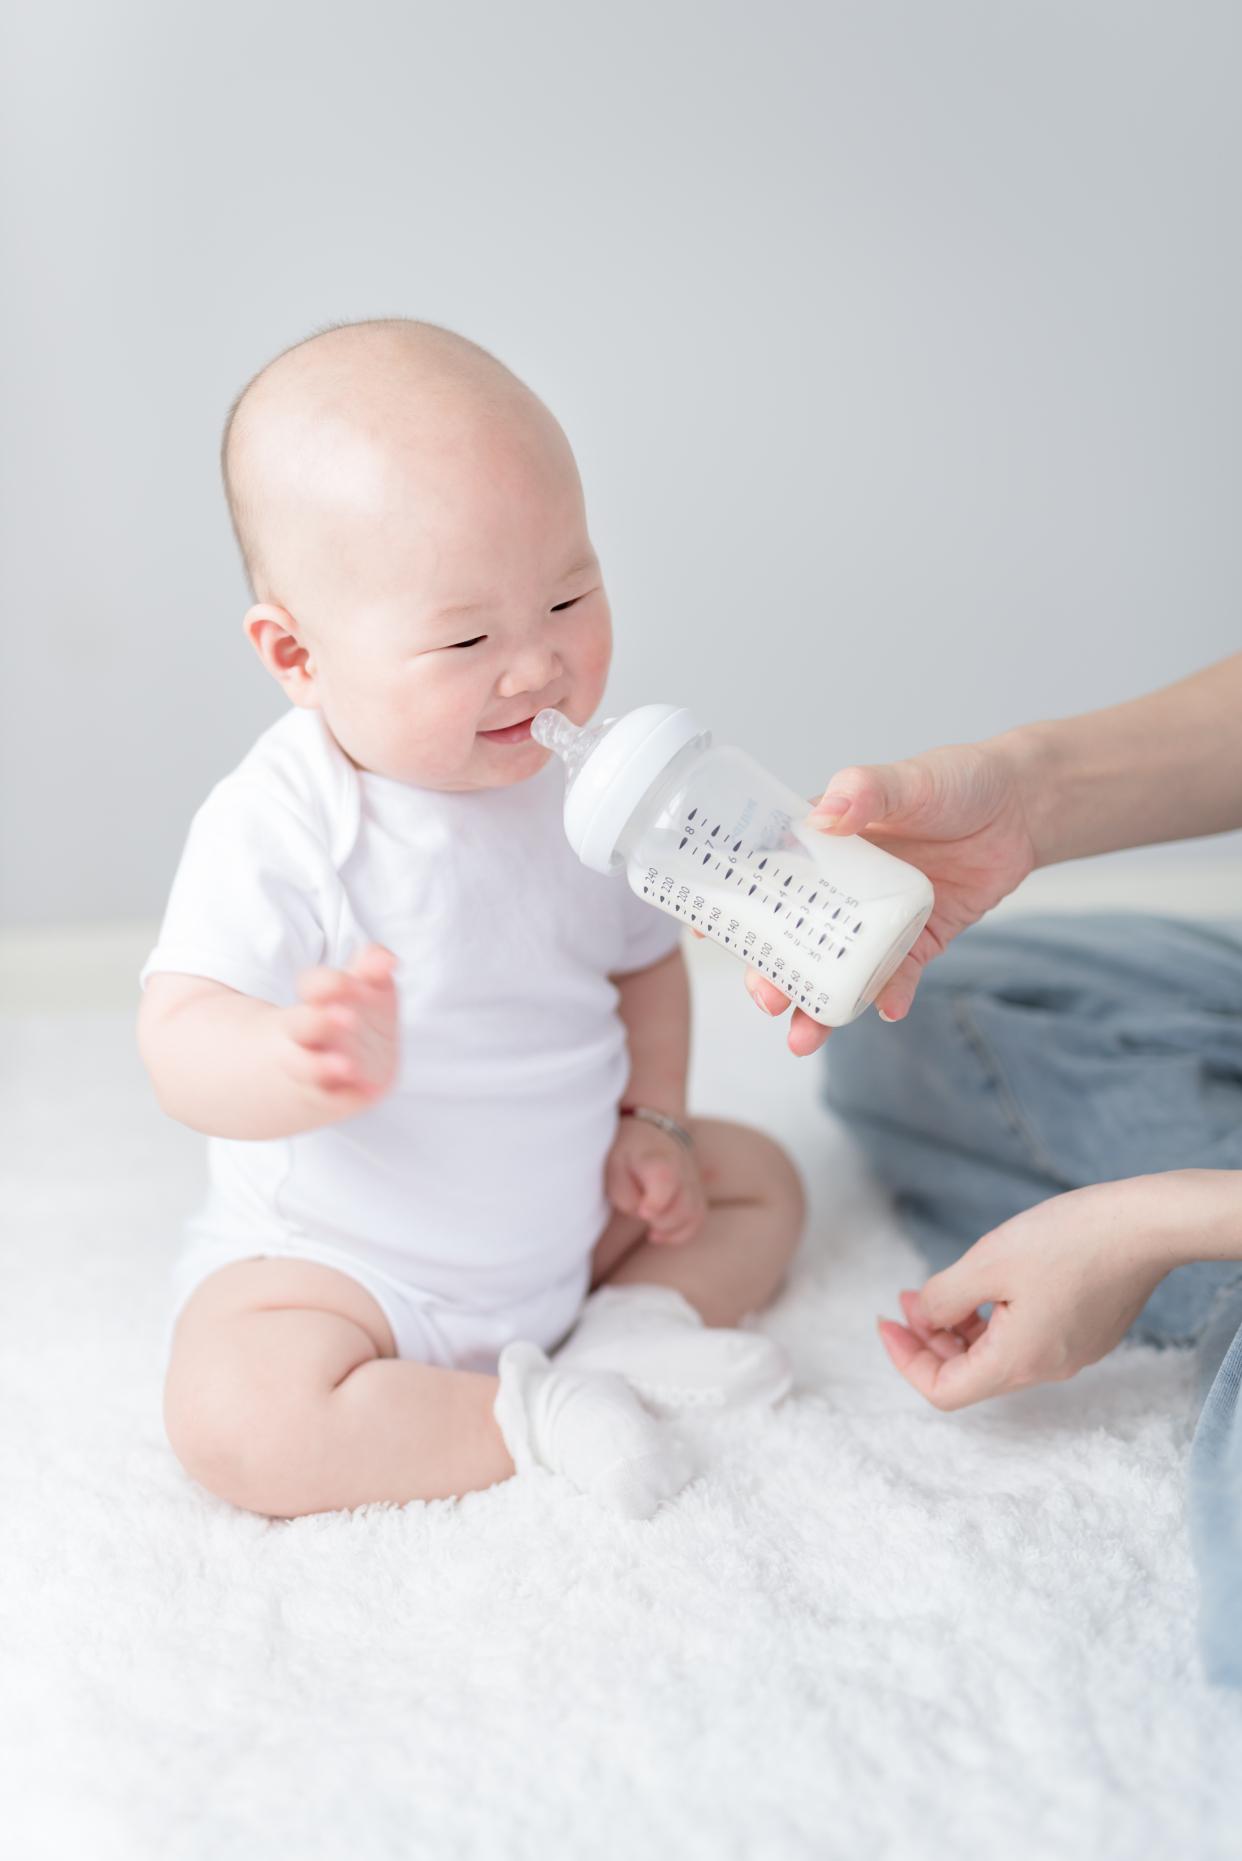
(1065, 1280)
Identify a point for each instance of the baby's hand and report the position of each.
(343, 1041)
(653, 1176)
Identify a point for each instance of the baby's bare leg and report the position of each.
(737, 1261)
(285, 1396)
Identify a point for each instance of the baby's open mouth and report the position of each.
(512, 733)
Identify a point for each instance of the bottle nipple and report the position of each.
(573, 744)
(609, 769)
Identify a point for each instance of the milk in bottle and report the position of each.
(706, 834)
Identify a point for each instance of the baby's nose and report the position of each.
(532, 669)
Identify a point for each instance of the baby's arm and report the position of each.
(232, 1066)
(655, 1007)
(650, 1173)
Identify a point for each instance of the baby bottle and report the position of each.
(706, 834)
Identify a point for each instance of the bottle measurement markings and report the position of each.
(791, 982)
(739, 870)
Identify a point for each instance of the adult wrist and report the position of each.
(1209, 1215)
(1035, 759)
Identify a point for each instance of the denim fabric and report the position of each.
(1055, 1052)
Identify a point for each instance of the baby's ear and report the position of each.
(273, 633)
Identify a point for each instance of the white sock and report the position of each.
(589, 1427)
(656, 1340)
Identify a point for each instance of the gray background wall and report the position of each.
(898, 343)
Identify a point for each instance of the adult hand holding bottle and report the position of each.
(977, 818)
(960, 815)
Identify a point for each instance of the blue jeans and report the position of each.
(1057, 1052)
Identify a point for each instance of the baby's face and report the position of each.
(464, 596)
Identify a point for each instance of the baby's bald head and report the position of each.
(413, 526)
(336, 450)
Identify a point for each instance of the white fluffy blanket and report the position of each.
(866, 1631)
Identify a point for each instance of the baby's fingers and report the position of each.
(679, 1224)
(312, 1027)
(623, 1188)
(321, 1068)
(661, 1184)
(337, 1070)
(375, 966)
(321, 987)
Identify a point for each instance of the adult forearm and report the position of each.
(1163, 767)
(655, 1006)
(1209, 1215)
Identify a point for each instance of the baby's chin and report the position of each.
(489, 765)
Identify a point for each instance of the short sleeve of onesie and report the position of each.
(650, 935)
(253, 898)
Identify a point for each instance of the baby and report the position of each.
(441, 1064)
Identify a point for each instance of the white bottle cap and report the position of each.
(616, 775)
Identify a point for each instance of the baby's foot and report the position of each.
(656, 1340)
(591, 1427)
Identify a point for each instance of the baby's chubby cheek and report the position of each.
(587, 671)
(411, 737)
(431, 744)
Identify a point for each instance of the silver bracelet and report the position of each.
(661, 1121)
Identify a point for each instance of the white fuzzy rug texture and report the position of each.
(867, 1630)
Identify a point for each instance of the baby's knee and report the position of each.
(788, 1194)
(237, 1442)
(780, 1173)
(771, 1177)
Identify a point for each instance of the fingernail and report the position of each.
(889, 1018)
(830, 807)
(759, 1002)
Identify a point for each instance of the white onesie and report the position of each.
(467, 1202)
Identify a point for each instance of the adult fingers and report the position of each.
(965, 1333)
(896, 998)
(859, 797)
(945, 1344)
(953, 1297)
(805, 1036)
(764, 994)
(947, 1383)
